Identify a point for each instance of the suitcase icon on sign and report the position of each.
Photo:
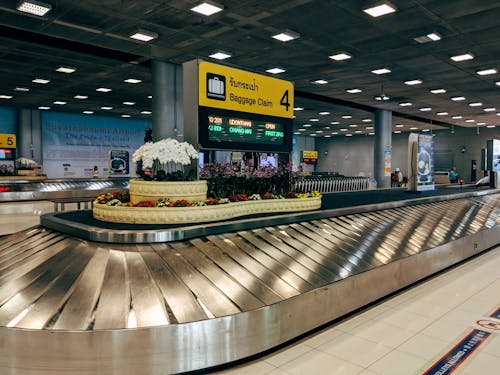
(216, 86)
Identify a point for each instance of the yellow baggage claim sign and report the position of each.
(238, 90)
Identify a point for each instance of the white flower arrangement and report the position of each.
(164, 152)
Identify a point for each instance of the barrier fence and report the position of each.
(331, 184)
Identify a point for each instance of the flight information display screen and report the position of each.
(240, 131)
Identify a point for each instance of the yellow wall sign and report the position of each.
(7, 140)
(238, 90)
(310, 154)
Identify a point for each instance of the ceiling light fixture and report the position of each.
(146, 112)
(66, 69)
(367, 120)
(399, 126)
(348, 135)
(397, 132)
(475, 104)
(81, 97)
(103, 89)
(323, 113)
(3, 96)
(438, 91)
(34, 7)
(354, 91)
(58, 102)
(41, 81)
(334, 122)
(457, 117)
(275, 70)
(220, 55)
(125, 116)
(458, 98)
(497, 83)
(314, 119)
(43, 107)
(425, 109)
(432, 37)
(470, 120)
(132, 80)
(344, 129)
(413, 82)
(88, 112)
(369, 128)
(307, 125)
(382, 96)
(487, 72)
(380, 10)
(22, 89)
(339, 56)
(106, 108)
(144, 35)
(346, 116)
(207, 8)
(286, 36)
(413, 128)
(442, 113)
(320, 82)
(298, 109)
(481, 123)
(381, 71)
(491, 109)
(353, 125)
(129, 103)
(464, 57)
(490, 126)
(405, 104)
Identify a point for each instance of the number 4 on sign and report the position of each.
(284, 100)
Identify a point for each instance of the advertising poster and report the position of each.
(387, 163)
(78, 146)
(425, 163)
(493, 154)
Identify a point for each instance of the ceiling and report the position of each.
(93, 37)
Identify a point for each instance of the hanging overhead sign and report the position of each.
(239, 90)
(7, 140)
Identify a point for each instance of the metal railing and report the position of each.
(331, 184)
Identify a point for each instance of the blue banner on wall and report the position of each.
(8, 120)
(74, 145)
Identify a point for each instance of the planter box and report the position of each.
(141, 190)
(185, 215)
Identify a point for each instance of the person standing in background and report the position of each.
(453, 175)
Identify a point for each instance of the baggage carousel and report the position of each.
(77, 298)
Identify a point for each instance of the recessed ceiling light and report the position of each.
(286, 36)
(442, 113)
(107, 108)
(334, 122)
(66, 69)
(498, 114)
(125, 116)
(296, 133)
(320, 82)
(314, 119)
(475, 104)
(319, 131)
(399, 126)
(59, 102)
(425, 109)
(413, 82)
(328, 136)
(312, 135)
(335, 133)
(88, 112)
(43, 107)
(358, 131)
(307, 125)
(465, 56)
(207, 8)
(380, 10)
(81, 97)
(470, 120)
(481, 123)
(302, 130)
(146, 112)
(497, 83)
(371, 133)
(413, 128)
(346, 116)
(129, 103)
(382, 97)
(298, 109)
(22, 89)
(369, 128)
(344, 130)
(34, 7)
(150, 96)
(327, 128)
(432, 37)
(103, 89)
(340, 56)
(381, 71)
(353, 125)
(275, 70)
(367, 120)
(324, 113)
(132, 80)
(490, 126)
(405, 104)
(397, 131)
(438, 91)
(144, 35)
(354, 91)
(3, 96)
(348, 135)
(457, 117)
(491, 109)
(486, 72)
(458, 98)
(220, 55)
(41, 81)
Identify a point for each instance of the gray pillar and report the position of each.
(29, 135)
(167, 101)
(383, 143)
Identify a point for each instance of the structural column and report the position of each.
(29, 135)
(167, 101)
(383, 146)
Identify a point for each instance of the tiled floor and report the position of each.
(403, 335)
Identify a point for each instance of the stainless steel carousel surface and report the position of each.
(74, 306)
